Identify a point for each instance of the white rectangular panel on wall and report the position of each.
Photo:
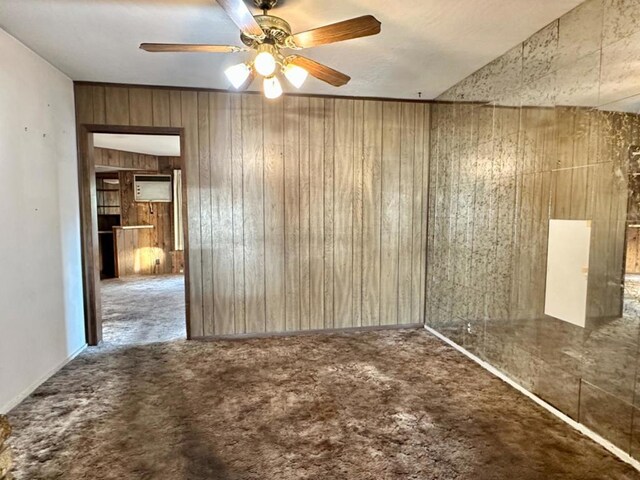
(568, 270)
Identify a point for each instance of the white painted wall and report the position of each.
(41, 311)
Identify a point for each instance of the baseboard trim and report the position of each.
(618, 452)
(297, 333)
(15, 401)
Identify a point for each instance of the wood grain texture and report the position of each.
(154, 247)
(189, 48)
(316, 212)
(320, 71)
(240, 323)
(298, 208)
(343, 213)
(372, 207)
(338, 32)
(274, 204)
(115, 158)
(253, 221)
(222, 212)
(390, 222)
(189, 113)
(241, 16)
(329, 208)
(206, 223)
(292, 211)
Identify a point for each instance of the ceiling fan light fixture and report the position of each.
(265, 62)
(238, 74)
(296, 75)
(272, 87)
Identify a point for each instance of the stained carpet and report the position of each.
(375, 405)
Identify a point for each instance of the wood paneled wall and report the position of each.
(116, 158)
(304, 213)
(154, 245)
(632, 259)
(134, 255)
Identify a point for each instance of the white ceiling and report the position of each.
(425, 45)
(160, 145)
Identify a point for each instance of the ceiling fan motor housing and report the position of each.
(276, 31)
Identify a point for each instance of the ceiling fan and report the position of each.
(268, 36)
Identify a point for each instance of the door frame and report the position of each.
(89, 221)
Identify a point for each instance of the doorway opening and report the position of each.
(133, 224)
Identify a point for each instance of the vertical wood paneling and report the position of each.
(155, 244)
(161, 108)
(140, 106)
(316, 207)
(329, 158)
(99, 105)
(405, 210)
(253, 195)
(372, 203)
(189, 115)
(274, 214)
(175, 108)
(84, 104)
(419, 216)
(220, 134)
(343, 213)
(426, 208)
(358, 154)
(292, 211)
(304, 213)
(117, 109)
(305, 274)
(389, 256)
(206, 223)
(237, 181)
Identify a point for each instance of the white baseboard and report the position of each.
(7, 407)
(618, 452)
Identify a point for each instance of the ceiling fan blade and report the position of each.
(320, 71)
(186, 47)
(241, 16)
(338, 32)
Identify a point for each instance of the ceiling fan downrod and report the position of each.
(265, 5)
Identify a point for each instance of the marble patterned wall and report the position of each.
(543, 132)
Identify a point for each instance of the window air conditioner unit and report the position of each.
(152, 188)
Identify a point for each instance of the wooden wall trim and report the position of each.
(89, 238)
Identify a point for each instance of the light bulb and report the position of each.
(265, 62)
(295, 74)
(272, 87)
(238, 74)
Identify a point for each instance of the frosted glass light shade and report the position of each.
(238, 74)
(265, 64)
(272, 87)
(296, 75)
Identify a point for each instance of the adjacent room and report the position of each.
(138, 187)
(278, 239)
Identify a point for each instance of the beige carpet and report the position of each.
(378, 405)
